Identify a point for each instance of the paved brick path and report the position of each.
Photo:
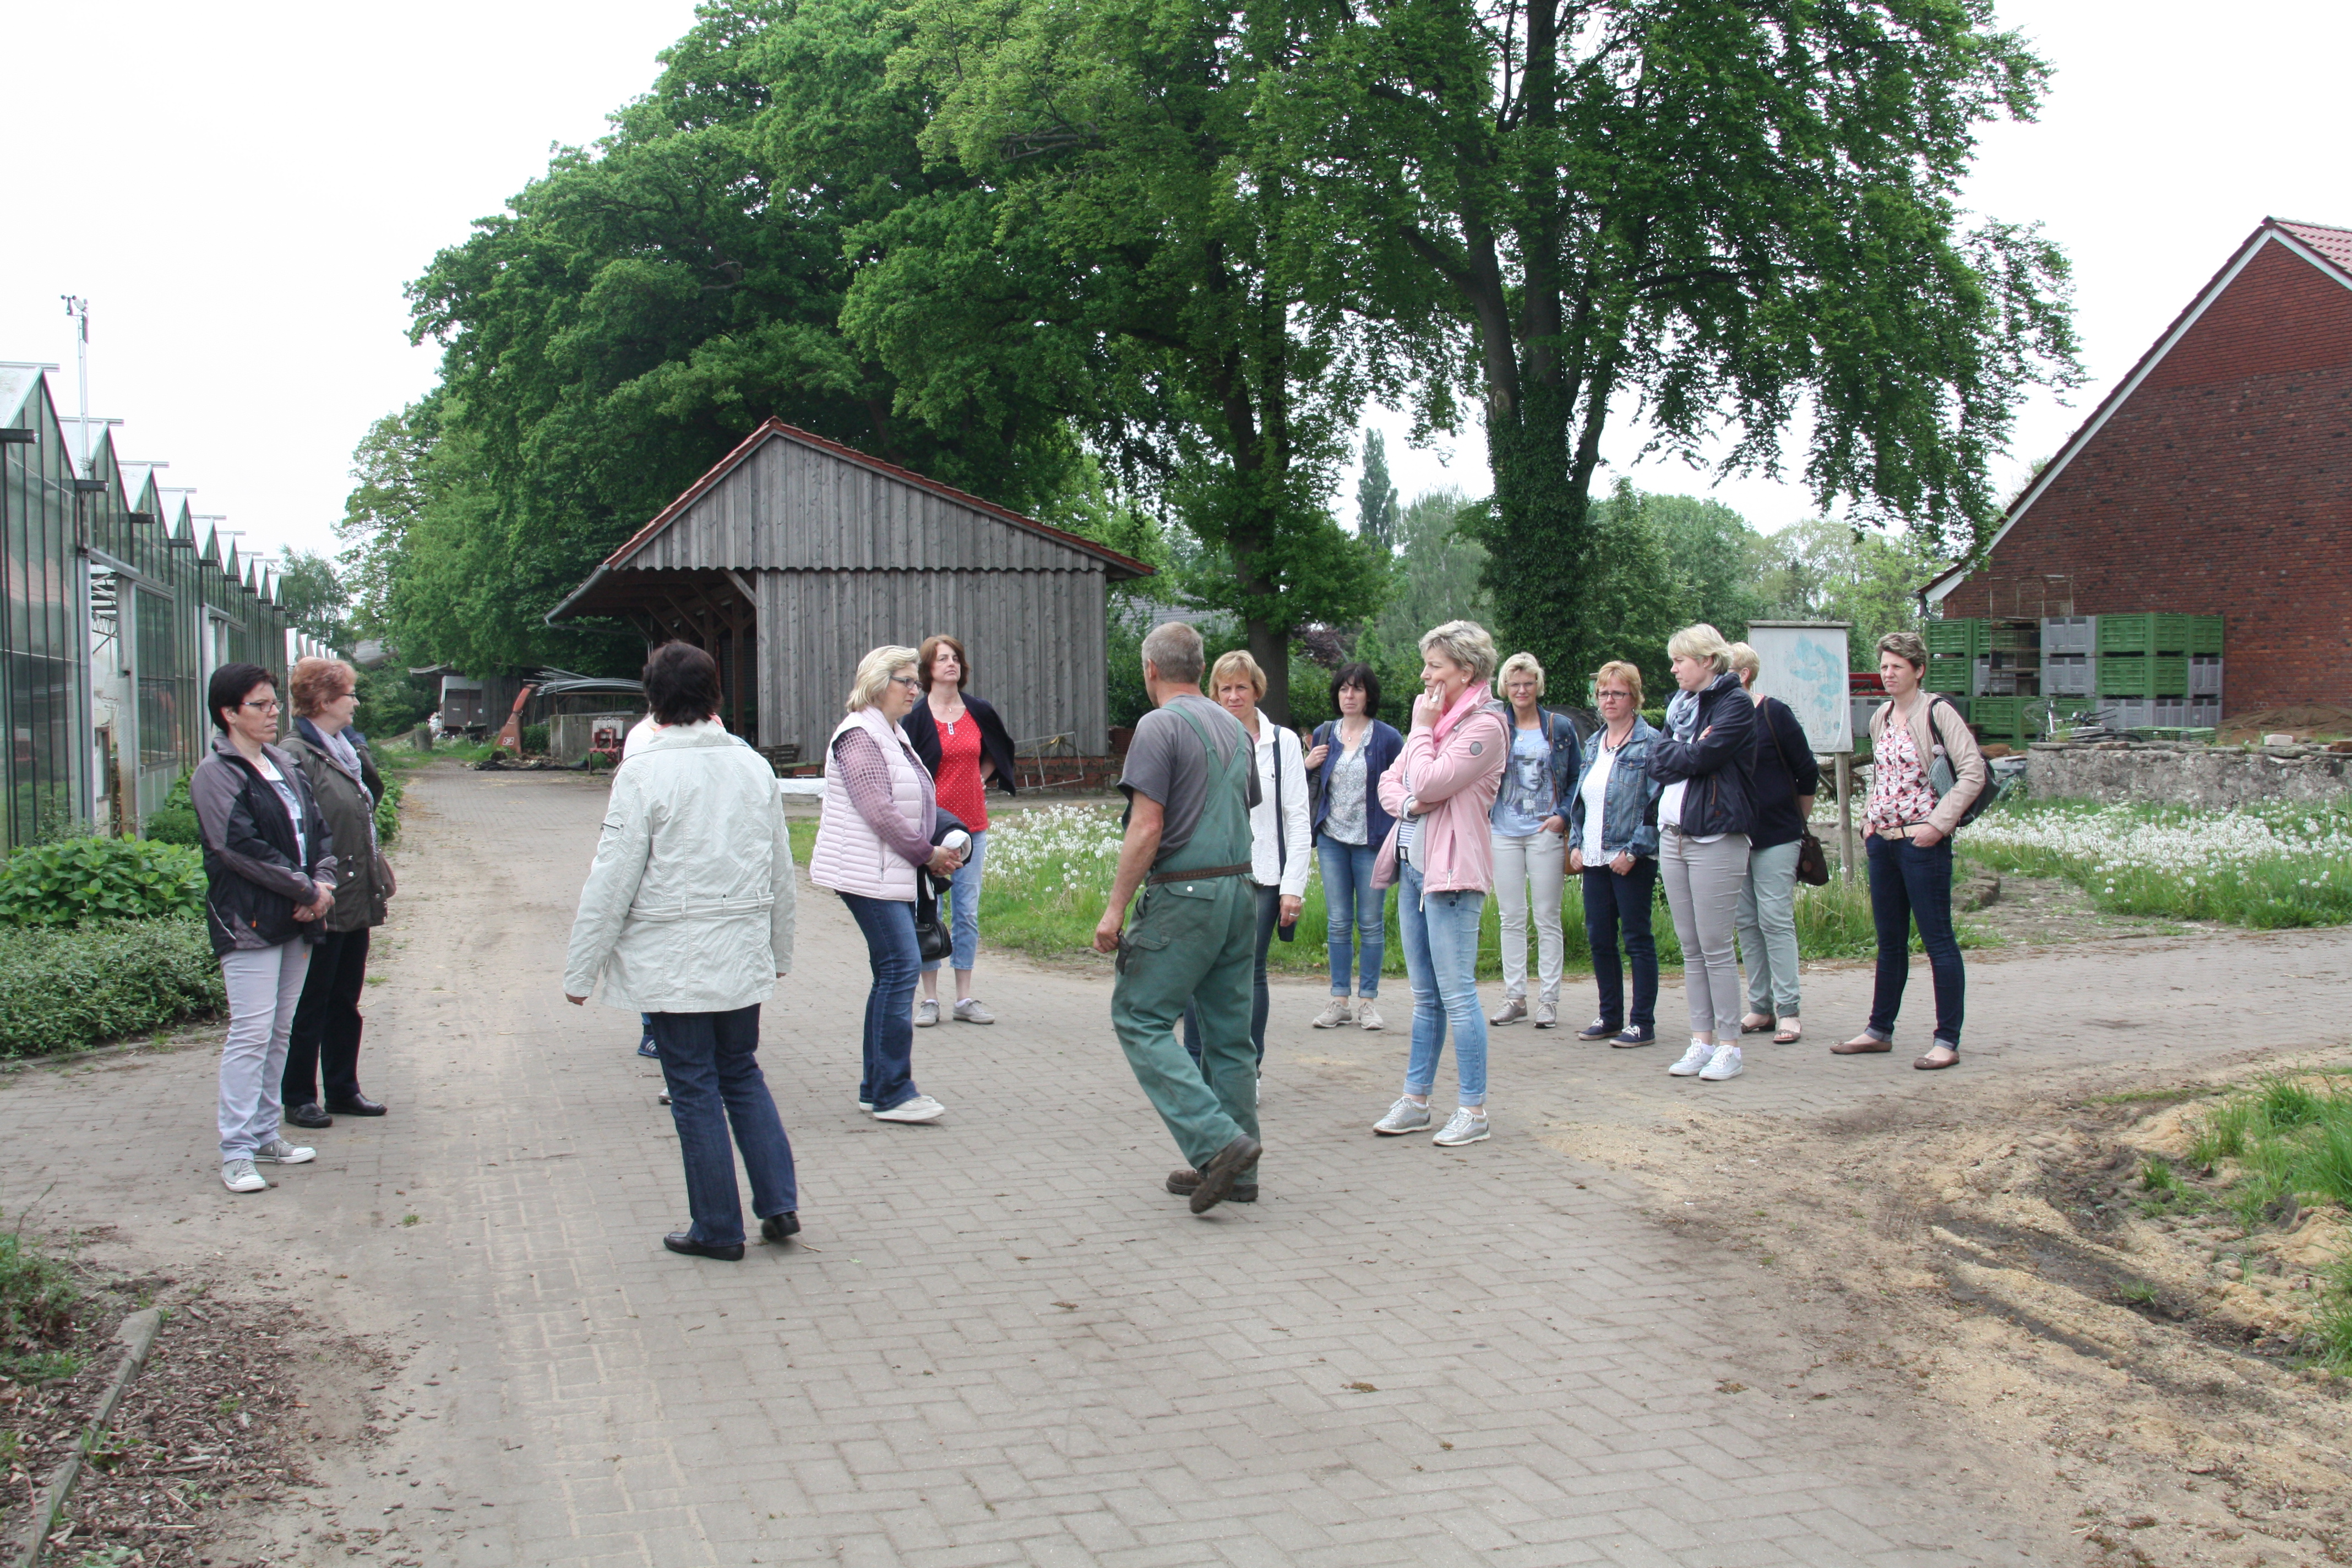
(1004, 1343)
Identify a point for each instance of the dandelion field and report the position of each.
(2263, 867)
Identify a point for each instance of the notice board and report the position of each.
(1804, 665)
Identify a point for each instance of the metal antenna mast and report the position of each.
(79, 309)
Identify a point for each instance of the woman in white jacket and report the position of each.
(686, 916)
(1282, 841)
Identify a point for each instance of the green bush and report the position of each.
(534, 740)
(63, 988)
(387, 811)
(97, 879)
(175, 821)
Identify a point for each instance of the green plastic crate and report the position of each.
(2125, 633)
(1995, 716)
(1955, 639)
(2147, 675)
(1950, 676)
(2159, 633)
(2205, 633)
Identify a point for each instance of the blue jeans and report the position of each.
(1353, 911)
(963, 909)
(710, 1063)
(889, 928)
(1441, 963)
(1909, 884)
(1616, 905)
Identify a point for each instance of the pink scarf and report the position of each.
(1475, 695)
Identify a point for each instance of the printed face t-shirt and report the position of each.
(1524, 801)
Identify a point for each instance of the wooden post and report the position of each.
(1845, 813)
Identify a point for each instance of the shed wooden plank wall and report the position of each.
(1035, 638)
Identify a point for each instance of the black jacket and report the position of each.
(254, 871)
(995, 744)
(1785, 769)
(1719, 762)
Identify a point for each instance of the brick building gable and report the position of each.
(2217, 479)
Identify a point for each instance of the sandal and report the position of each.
(1791, 1033)
(1862, 1045)
(1928, 1062)
(1755, 1023)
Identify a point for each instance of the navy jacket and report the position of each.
(1779, 782)
(1383, 746)
(1719, 761)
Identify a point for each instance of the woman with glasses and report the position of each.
(269, 879)
(880, 815)
(1612, 837)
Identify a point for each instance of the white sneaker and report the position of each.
(866, 1105)
(239, 1177)
(927, 1012)
(1697, 1057)
(1465, 1126)
(969, 1011)
(277, 1152)
(1335, 1012)
(1724, 1063)
(1405, 1116)
(922, 1108)
(1366, 1016)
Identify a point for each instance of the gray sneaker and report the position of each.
(969, 1011)
(1366, 1016)
(1513, 1009)
(1465, 1126)
(239, 1177)
(277, 1152)
(927, 1012)
(1335, 1012)
(1547, 1014)
(1405, 1116)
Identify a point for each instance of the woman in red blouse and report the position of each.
(964, 743)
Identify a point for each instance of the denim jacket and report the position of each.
(1567, 755)
(1629, 814)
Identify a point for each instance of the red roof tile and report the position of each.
(2335, 244)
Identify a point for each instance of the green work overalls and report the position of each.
(1192, 942)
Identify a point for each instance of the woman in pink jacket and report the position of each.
(1441, 856)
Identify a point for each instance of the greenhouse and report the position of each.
(121, 603)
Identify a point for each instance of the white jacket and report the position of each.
(849, 856)
(689, 905)
(1287, 867)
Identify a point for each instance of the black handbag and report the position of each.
(932, 936)
(1813, 860)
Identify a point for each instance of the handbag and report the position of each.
(1813, 860)
(932, 937)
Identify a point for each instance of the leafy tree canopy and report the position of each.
(314, 597)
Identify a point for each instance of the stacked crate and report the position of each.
(1952, 651)
(2156, 669)
(2160, 669)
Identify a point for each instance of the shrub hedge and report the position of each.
(65, 987)
(99, 878)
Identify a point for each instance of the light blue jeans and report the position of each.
(1441, 962)
(962, 898)
(1354, 913)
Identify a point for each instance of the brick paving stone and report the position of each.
(1000, 1341)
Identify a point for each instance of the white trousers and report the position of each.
(1521, 858)
(264, 985)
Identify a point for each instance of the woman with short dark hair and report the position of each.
(967, 748)
(686, 916)
(269, 879)
(1348, 756)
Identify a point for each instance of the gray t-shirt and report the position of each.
(1165, 761)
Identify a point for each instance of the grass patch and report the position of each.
(37, 1298)
(1049, 870)
(2266, 866)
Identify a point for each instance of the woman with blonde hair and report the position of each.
(1706, 761)
(1441, 856)
(1526, 825)
(1280, 836)
(872, 842)
(1612, 836)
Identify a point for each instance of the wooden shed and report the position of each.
(794, 555)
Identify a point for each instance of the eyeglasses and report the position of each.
(260, 707)
(1622, 696)
(908, 681)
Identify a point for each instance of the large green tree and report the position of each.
(636, 311)
(1723, 219)
(1142, 227)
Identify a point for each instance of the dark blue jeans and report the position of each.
(889, 928)
(710, 1063)
(1908, 885)
(1616, 905)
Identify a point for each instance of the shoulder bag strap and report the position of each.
(1281, 827)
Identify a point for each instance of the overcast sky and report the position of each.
(241, 192)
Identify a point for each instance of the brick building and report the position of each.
(2215, 479)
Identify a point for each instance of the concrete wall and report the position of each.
(2216, 778)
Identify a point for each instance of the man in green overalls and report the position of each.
(1191, 780)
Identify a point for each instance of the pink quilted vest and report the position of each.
(849, 858)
